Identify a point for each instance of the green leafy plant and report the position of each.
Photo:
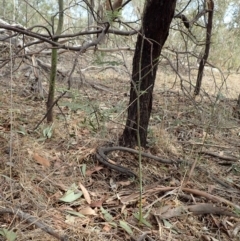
(48, 131)
(143, 219)
(22, 130)
(111, 15)
(8, 234)
(84, 167)
(71, 195)
(124, 225)
(108, 217)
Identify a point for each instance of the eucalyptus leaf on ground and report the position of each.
(107, 216)
(144, 221)
(72, 194)
(8, 234)
(124, 225)
(75, 213)
(84, 167)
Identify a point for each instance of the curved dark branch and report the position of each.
(41, 26)
(124, 4)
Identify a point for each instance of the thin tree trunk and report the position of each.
(156, 21)
(210, 5)
(53, 72)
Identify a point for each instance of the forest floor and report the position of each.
(52, 174)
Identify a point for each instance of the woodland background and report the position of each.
(51, 184)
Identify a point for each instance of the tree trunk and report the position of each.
(210, 5)
(156, 21)
(53, 71)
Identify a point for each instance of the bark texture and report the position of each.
(156, 21)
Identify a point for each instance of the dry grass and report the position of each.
(180, 127)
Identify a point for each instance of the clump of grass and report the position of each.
(163, 142)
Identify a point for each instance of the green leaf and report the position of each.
(126, 227)
(84, 167)
(9, 235)
(48, 131)
(158, 118)
(144, 221)
(22, 131)
(237, 211)
(71, 195)
(41, 139)
(73, 106)
(167, 224)
(75, 213)
(107, 216)
(170, 226)
(113, 224)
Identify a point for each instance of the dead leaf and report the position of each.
(85, 193)
(142, 202)
(85, 131)
(86, 153)
(55, 196)
(70, 219)
(44, 162)
(124, 184)
(113, 184)
(236, 229)
(30, 152)
(107, 228)
(87, 211)
(92, 170)
(129, 198)
(167, 212)
(57, 165)
(97, 204)
(211, 188)
(204, 135)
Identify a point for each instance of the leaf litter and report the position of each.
(52, 173)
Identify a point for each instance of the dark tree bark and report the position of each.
(156, 21)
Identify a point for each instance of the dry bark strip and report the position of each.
(207, 208)
(197, 209)
(33, 220)
(214, 154)
(211, 197)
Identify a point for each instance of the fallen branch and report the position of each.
(226, 158)
(167, 212)
(33, 220)
(150, 191)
